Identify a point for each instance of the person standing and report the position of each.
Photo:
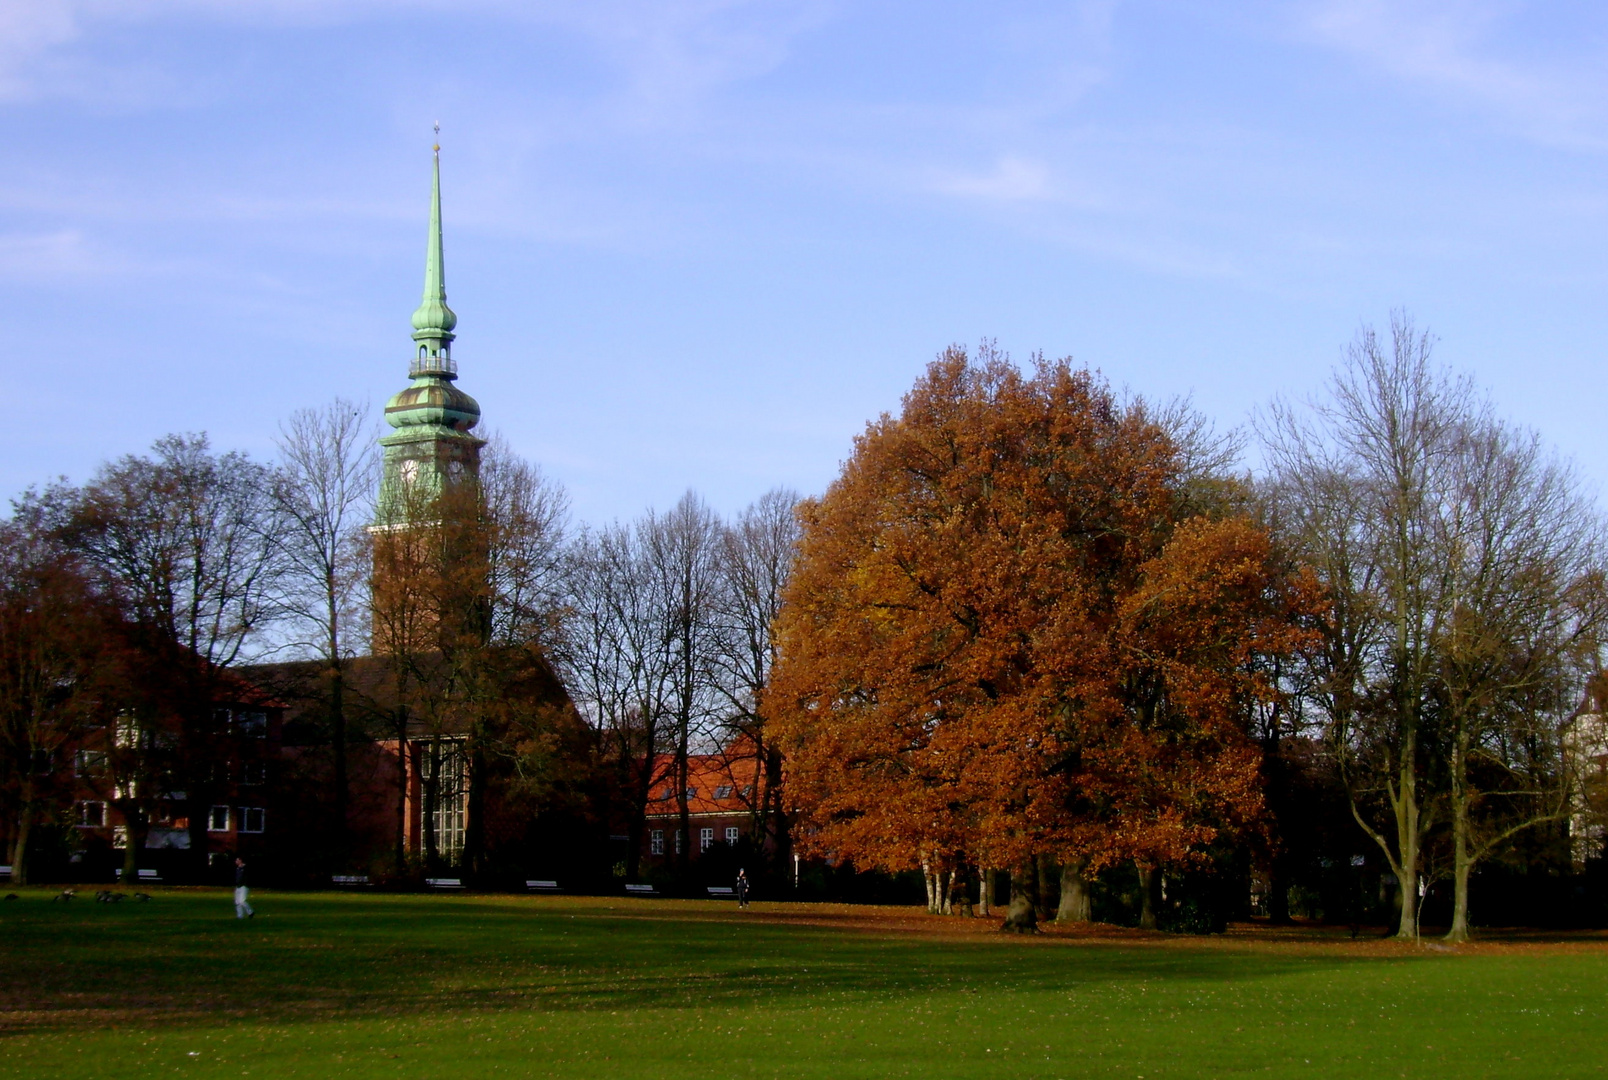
(242, 908)
(742, 888)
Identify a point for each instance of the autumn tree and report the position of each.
(59, 650)
(1012, 631)
(182, 541)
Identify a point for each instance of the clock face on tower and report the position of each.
(409, 470)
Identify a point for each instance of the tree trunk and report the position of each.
(337, 711)
(1149, 884)
(1462, 863)
(1407, 814)
(19, 848)
(960, 894)
(1075, 905)
(474, 839)
(1047, 896)
(401, 791)
(983, 883)
(1278, 893)
(131, 853)
(1021, 917)
(429, 796)
(926, 881)
(684, 813)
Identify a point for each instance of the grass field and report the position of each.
(445, 986)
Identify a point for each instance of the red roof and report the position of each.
(718, 784)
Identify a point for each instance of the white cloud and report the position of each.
(1013, 179)
(1462, 48)
(63, 254)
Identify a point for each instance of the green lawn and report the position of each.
(444, 986)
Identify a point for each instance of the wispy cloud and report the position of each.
(63, 255)
(1013, 179)
(669, 50)
(1470, 51)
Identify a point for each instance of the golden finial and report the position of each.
(438, 136)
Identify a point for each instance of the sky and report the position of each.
(700, 244)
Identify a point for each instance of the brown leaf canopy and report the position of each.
(1001, 639)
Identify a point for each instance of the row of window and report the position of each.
(247, 819)
(87, 763)
(706, 839)
(722, 792)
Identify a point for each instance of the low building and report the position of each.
(720, 807)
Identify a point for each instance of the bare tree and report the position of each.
(616, 658)
(1462, 566)
(465, 594)
(323, 489)
(756, 557)
(526, 516)
(683, 549)
(1523, 551)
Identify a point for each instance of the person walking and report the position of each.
(742, 888)
(242, 908)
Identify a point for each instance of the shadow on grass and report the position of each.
(184, 957)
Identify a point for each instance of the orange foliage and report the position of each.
(1000, 638)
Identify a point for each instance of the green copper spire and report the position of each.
(433, 445)
(434, 320)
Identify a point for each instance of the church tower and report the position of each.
(432, 446)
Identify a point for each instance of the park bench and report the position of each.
(542, 886)
(150, 877)
(5, 872)
(349, 879)
(444, 882)
(722, 892)
(640, 890)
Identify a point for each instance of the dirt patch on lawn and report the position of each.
(1301, 937)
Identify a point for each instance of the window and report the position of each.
(656, 842)
(706, 839)
(252, 819)
(218, 819)
(254, 772)
(731, 835)
(252, 723)
(92, 815)
(88, 762)
(678, 841)
(120, 837)
(723, 792)
(126, 731)
(444, 775)
(692, 793)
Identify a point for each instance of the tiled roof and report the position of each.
(718, 784)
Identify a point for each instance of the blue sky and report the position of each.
(700, 244)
